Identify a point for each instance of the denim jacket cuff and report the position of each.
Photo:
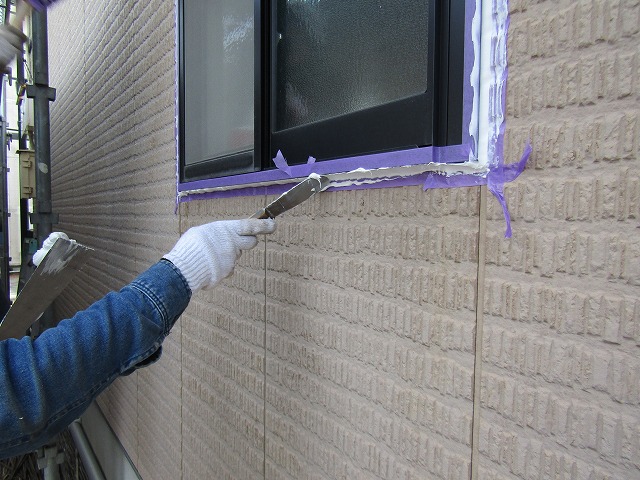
(171, 302)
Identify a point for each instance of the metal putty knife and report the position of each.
(311, 185)
(55, 272)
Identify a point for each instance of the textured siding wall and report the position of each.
(370, 313)
(560, 369)
(113, 178)
(223, 363)
(344, 345)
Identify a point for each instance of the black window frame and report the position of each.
(441, 112)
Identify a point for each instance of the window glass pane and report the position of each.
(336, 57)
(218, 83)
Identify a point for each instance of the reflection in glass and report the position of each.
(336, 57)
(218, 84)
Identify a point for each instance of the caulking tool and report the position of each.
(311, 185)
(55, 272)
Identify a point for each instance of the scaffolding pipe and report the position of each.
(42, 94)
(42, 217)
(4, 191)
(88, 457)
(26, 234)
(22, 145)
(4, 198)
(4, 187)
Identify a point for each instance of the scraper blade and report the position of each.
(295, 196)
(54, 273)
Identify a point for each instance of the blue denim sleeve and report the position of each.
(48, 382)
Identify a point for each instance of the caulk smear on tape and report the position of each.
(402, 167)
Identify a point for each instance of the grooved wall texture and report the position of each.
(344, 346)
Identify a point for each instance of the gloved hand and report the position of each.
(46, 246)
(207, 254)
(11, 40)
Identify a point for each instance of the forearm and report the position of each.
(47, 383)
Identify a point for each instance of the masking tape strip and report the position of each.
(418, 156)
(495, 179)
(380, 169)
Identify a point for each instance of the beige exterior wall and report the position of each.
(359, 358)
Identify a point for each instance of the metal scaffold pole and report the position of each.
(42, 94)
(4, 194)
(4, 199)
(43, 217)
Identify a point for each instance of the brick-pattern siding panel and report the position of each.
(370, 313)
(113, 182)
(223, 357)
(560, 391)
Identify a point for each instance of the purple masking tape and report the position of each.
(284, 171)
(417, 156)
(494, 179)
(282, 165)
(503, 174)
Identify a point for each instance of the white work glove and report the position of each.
(11, 40)
(207, 254)
(46, 246)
